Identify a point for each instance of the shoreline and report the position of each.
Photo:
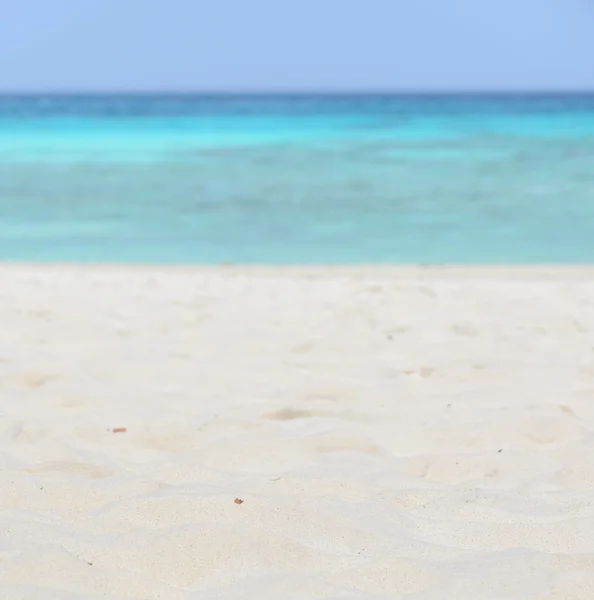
(405, 271)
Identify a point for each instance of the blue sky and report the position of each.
(258, 45)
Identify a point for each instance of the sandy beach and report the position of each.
(278, 433)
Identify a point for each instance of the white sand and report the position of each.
(393, 433)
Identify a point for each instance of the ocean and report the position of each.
(297, 179)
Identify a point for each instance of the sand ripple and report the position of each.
(424, 434)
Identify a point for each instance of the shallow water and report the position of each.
(297, 179)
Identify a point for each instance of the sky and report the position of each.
(296, 45)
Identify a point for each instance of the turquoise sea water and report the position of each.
(297, 179)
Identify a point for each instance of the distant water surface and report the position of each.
(297, 179)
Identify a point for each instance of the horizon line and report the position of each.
(298, 92)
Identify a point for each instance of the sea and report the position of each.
(297, 179)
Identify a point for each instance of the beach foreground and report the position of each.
(227, 433)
